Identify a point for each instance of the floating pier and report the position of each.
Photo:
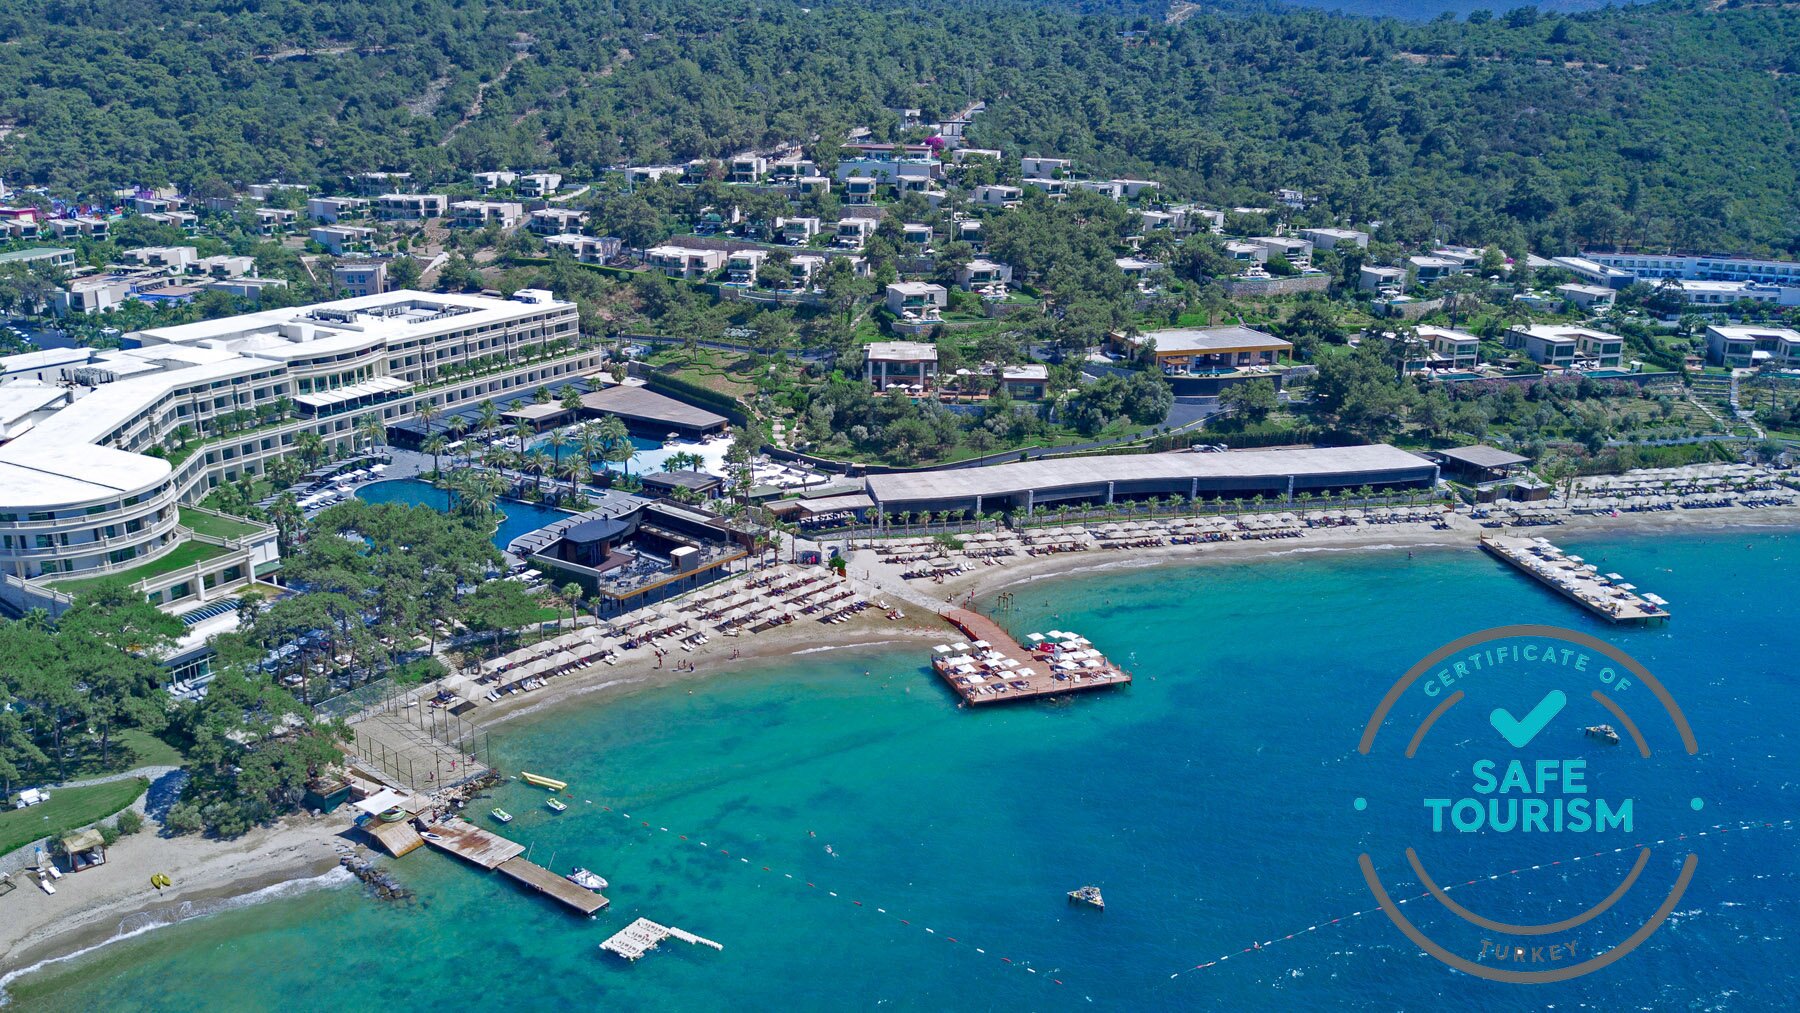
(994, 668)
(490, 851)
(1604, 595)
(643, 935)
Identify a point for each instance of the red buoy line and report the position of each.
(1265, 944)
(801, 882)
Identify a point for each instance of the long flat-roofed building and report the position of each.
(1026, 485)
(1207, 349)
(95, 486)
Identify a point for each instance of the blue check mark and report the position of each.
(1520, 731)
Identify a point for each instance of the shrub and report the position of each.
(184, 818)
(130, 822)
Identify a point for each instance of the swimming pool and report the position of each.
(518, 516)
(651, 454)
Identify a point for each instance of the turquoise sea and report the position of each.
(1210, 800)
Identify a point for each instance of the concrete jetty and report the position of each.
(1603, 594)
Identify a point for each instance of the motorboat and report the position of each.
(556, 804)
(1089, 895)
(502, 815)
(587, 880)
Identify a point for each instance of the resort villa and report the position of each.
(587, 249)
(1557, 345)
(82, 494)
(557, 221)
(1449, 348)
(979, 274)
(900, 363)
(1592, 298)
(1207, 351)
(684, 262)
(1331, 239)
(916, 305)
(1746, 346)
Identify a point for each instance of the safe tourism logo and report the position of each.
(1526, 770)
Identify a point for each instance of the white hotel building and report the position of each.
(80, 494)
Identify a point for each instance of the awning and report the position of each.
(367, 388)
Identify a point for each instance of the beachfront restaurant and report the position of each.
(642, 556)
(1276, 475)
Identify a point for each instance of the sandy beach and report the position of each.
(92, 907)
(101, 904)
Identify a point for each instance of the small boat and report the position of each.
(541, 781)
(1605, 733)
(1089, 895)
(394, 815)
(556, 804)
(587, 880)
(502, 815)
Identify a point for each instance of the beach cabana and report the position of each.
(85, 848)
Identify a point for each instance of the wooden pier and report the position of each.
(988, 678)
(490, 851)
(1603, 595)
(643, 935)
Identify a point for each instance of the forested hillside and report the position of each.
(1663, 125)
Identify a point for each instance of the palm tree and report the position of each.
(573, 469)
(427, 412)
(522, 432)
(571, 398)
(311, 447)
(615, 441)
(434, 445)
(285, 514)
(372, 429)
(456, 427)
(487, 417)
(571, 593)
(539, 466)
(557, 441)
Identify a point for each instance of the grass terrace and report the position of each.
(180, 558)
(68, 809)
(216, 526)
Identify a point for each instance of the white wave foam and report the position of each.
(136, 925)
(842, 647)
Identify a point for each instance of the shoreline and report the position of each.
(90, 909)
(45, 930)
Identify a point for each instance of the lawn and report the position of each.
(180, 558)
(130, 748)
(68, 809)
(216, 526)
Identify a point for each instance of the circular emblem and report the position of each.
(1539, 724)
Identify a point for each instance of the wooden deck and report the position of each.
(1032, 678)
(469, 842)
(1568, 576)
(547, 882)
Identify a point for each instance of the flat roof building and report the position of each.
(1206, 349)
(1023, 486)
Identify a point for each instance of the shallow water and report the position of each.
(1210, 800)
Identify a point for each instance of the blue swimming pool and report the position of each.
(519, 517)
